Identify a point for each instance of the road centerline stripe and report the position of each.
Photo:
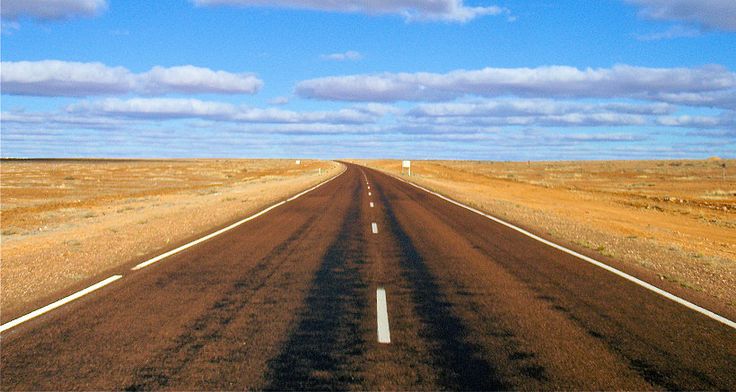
(384, 334)
(374, 228)
(65, 300)
(369, 193)
(371, 204)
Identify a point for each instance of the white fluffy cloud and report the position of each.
(725, 99)
(48, 10)
(154, 108)
(64, 78)
(444, 10)
(59, 120)
(61, 78)
(711, 14)
(620, 81)
(176, 108)
(605, 137)
(534, 107)
(555, 113)
(673, 32)
(349, 55)
(605, 119)
(537, 112)
(280, 100)
(191, 79)
(724, 120)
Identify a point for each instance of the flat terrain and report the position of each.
(65, 221)
(288, 301)
(676, 219)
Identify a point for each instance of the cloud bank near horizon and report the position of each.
(556, 106)
(711, 85)
(457, 102)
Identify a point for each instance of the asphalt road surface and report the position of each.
(292, 300)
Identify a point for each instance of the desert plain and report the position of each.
(670, 221)
(66, 221)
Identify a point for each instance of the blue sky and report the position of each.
(445, 79)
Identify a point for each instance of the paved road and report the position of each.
(289, 301)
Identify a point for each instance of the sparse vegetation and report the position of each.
(721, 193)
(72, 243)
(9, 231)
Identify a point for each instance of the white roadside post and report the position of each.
(406, 165)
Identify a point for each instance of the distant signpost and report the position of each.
(406, 165)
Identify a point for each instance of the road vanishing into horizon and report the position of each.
(369, 283)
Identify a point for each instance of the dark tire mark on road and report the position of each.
(287, 302)
(620, 315)
(317, 355)
(460, 362)
(209, 327)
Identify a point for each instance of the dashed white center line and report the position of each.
(369, 193)
(371, 204)
(374, 228)
(49, 307)
(384, 334)
(369, 187)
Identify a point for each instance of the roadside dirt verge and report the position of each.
(675, 218)
(64, 221)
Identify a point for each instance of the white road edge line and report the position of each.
(384, 334)
(234, 225)
(371, 204)
(374, 228)
(50, 307)
(597, 263)
(65, 300)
